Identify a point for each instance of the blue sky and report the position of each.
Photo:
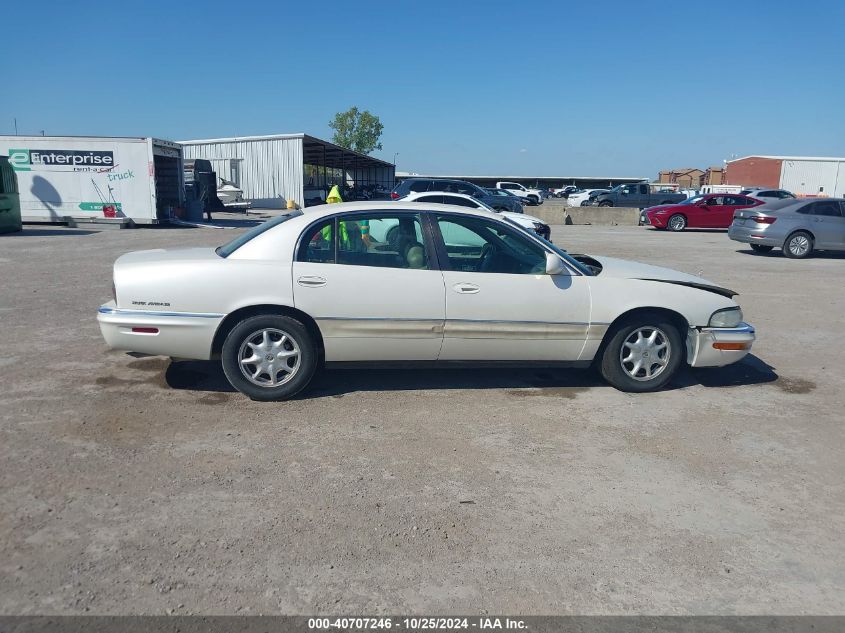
(533, 88)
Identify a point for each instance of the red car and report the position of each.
(708, 211)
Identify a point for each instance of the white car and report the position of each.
(531, 196)
(462, 200)
(580, 198)
(377, 281)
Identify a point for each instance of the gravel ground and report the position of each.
(145, 487)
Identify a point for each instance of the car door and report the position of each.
(643, 199)
(828, 225)
(370, 282)
(721, 215)
(500, 303)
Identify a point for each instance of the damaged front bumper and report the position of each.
(719, 346)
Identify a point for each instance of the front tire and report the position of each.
(799, 245)
(761, 248)
(643, 354)
(269, 357)
(606, 203)
(677, 223)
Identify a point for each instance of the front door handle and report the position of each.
(311, 281)
(465, 288)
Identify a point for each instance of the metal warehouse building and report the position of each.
(273, 169)
(802, 175)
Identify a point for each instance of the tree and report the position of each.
(356, 130)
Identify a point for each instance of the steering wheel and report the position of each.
(488, 252)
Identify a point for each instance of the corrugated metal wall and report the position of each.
(813, 177)
(271, 169)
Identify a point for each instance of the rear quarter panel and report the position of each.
(215, 286)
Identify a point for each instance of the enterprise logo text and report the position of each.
(26, 158)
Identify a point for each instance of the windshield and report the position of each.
(230, 247)
(692, 200)
(559, 251)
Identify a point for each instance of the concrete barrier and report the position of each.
(553, 212)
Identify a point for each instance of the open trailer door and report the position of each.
(10, 207)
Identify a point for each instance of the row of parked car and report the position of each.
(466, 194)
(763, 218)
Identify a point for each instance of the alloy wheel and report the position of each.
(645, 353)
(269, 357)
(799, 245)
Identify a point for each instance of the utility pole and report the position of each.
(16, 126)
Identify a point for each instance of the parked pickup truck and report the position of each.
(530, 196)
(638, 195)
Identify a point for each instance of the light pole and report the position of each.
(395, 154)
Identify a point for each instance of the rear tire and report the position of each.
(677, 223)
(284, 352)
(799, 245)
(761, 248)
(643, 354)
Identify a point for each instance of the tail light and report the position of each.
(394, 195)
(763, 219)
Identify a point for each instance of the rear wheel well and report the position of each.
(240, 314)
(807, 231)
(675, 317)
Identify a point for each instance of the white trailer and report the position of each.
(65, 178)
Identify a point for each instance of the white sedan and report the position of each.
(579, 198)
(410, 281)
(462, 200)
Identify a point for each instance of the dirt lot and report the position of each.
(139, 486)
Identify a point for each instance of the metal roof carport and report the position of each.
(279, 167)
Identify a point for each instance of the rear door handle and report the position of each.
(465, 288)
(311, 281)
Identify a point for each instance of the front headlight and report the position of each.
(729, 317)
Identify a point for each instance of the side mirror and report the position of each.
(554, 264)
(624, 192)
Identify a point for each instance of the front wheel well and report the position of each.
(233, 318)
(675, 317)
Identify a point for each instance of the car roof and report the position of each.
(323, 210)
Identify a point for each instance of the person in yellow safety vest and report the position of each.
(347, 242)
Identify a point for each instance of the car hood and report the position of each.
(623, 268)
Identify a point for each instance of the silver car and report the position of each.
(799, 227)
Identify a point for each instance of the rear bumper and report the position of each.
(716, 347)
(752, 235)
(177, 334)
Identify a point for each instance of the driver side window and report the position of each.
(480, 246)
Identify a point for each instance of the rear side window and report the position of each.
(467, 188)
(432, 199)
(419, 185)
(829, 208)
(461, 202)
(229, 248)
(377, 239)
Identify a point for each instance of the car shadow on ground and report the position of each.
(208, 376)
(778, 253)
(688, 230)
(49, 233)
